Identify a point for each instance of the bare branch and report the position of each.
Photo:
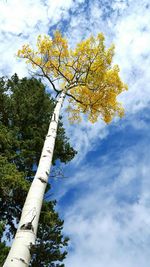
(75, 98)
(44, 74)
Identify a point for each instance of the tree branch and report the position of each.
(44, 74)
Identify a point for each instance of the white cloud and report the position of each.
(21, 16)
(102, 241)
(105, 229)
(132, 40)
(58, 10)
(83, 136)
(21, 22)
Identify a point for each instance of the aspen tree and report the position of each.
(87, 77)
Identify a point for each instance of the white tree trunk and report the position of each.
(19, 255)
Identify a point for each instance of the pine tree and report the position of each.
(24, 106)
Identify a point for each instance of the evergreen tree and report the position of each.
(25, 111)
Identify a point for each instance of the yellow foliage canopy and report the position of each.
(85, 74)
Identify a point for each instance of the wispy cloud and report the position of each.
(108, 215)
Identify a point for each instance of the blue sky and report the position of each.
(105, 200)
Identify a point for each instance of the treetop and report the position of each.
(85, 73)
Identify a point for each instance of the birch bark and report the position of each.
(19, 255)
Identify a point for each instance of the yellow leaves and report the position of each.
(92, 83)
(25, 51)
(101, 102)
(109, 54)
(74, 114)
(43, 44)
(100, 37)
(51, 55)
